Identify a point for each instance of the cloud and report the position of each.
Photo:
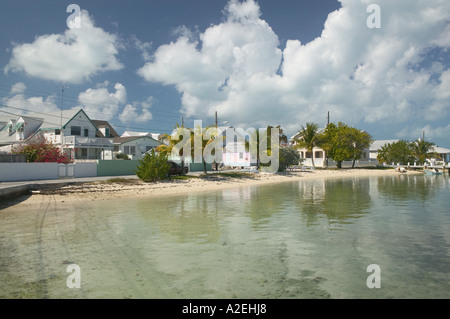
(19, 87)
(101, 104)
(17, 102)
(71, 57)
(361, 75)
(131, 112)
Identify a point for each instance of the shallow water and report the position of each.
(307, 239)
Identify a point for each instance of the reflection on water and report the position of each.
(273, 241)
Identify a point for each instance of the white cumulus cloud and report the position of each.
(17, 102)
(361, 75)
(71, 57)
(101, 104)
(137, 112)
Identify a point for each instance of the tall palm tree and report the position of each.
(200, 133)
(169, 143)
(422, 150)
(308, 138)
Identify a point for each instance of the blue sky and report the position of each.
(143, 65)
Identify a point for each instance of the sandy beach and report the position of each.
(100, 190)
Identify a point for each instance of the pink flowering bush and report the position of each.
(39, 150)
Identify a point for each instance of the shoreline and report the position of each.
(101, 190)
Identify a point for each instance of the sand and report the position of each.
(94, 191)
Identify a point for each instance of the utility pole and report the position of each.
(217, 167)
(328, 118)
(61, 135)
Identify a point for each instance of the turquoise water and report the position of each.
(307, 239)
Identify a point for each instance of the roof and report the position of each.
(441, 150)
(121, 140)
(53, 120)
(377, 144)
(134, 134)
(101, 124)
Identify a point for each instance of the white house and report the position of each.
(442, 152)
(134, 146)
(71, 130)
(319, 156)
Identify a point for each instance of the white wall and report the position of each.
(13, 172)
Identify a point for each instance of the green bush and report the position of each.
(288, 157)
(153, 166)
(122, 156)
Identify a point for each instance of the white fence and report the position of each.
(13, 172)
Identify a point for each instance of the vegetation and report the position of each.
(153, 166)
(40, 150)
(288, 156)
(404, 152)
(398, 152)
(119, 180)
(309, 138)
(170, 142)
(343, 142)
(422, 150)
(206, 141)
(122, 156)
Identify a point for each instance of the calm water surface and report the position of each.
(307, 239)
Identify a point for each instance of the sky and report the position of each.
(148, 65)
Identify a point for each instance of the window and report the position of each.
(84, 152)
(75, 130)
(126, 149)
(86, 132)
(132, 150)
(318, 154)
(129, 150)
(57, 132)
(148, 148)
(106, 131)
(308, 155)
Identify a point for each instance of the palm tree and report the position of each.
(200, 133)
(169, 143)
(422, 150)
(308, 138)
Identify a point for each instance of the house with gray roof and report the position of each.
(72, 130)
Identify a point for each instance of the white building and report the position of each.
(134, 146)
(71, 130)
(319, 156)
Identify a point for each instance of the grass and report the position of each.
(119, 180)
(230, 175)
(182, 177)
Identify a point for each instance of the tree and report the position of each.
(308, 138)
(204, 136)
(40, 150)
(153, 166)
(422, 150)
(343, 142)
(288, 156)
(170, 141)
(397, 152)
(361, 140)
(256, 141)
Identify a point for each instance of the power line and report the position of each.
(67, 118)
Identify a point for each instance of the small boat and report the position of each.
(433, 172)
